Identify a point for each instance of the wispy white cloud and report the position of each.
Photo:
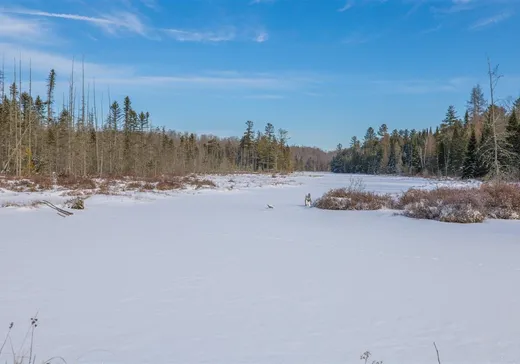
(495, 19)
(262, 37)
(252, 2)
(119, 21)
(124, 21)
(44, 61)
(360, 38)
(152, 4)
(123, 77)
(421, 86)
(347, 6)
(452, 9)
(22, 29)
(431, 30)
(206, 81)
(265, 97)
(59, 15)
(200, 36)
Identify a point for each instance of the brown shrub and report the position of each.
(444, 204)
(147, 186)
(502, 200)
(43, 182)
(32, 204)
(349, 199)
(200, 183)
(104, 188)
(493, 200)
(73, 182)
(195, 181)
(133, 186)
(168, 185)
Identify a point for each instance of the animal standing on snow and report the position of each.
(308, 200)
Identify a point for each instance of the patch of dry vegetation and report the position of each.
(353, 197)
(494, 200)
(31, 204)
(502, 200)
(346, 199)
(444, 204)
(81, 186)
(76, 183)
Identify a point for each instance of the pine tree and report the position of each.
(51, 84)
(458, 148)
(484, 150)
(466, 119)
(451, 117)
(470, 161)
(476, 104)
(513, 138)
(516, 104)
(246, 146)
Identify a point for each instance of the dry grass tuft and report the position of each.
(492, 200)
(502, 200)
(169, 184)
(32, 204)
(346, 199)
(353, 197)
(495, 200)
(76, 183)
(444, 204)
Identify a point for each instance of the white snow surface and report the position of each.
(216, 277)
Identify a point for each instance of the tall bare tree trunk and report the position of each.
(30, 156)
(493, 80)
(83, 121)
(70, 163)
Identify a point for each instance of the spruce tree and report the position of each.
(451, 117)
(513, 135)
(458, 148)
(466, 119)
(484, 152)
(470, 161)
(476, 104)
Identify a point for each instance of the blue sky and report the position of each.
(323, 69)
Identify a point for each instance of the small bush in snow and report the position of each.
(502, 200)
(493, 200)
(198, 183)
(353, 197)
(73, 182)
(167, 185)
(496, 200)
(348, 199)
(444, 204)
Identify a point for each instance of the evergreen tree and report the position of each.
(466, 119)
(51, 84)
(458, 148)
(484, 152)
(450, 119)
(469, 170)
(246, 146)
(476, 104)
(516, 104)
(513, 138)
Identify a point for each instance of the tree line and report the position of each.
(84, 137)
(485, 142)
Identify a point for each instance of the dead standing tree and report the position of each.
(498, 152)
(494, 77)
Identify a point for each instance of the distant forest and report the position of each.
(82, 137)
(485, 142)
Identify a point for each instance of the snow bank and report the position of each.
(219, 278)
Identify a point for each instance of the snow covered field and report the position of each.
(216, 277)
